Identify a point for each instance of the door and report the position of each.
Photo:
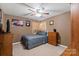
(75, 27)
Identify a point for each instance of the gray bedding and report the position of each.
(31, 41)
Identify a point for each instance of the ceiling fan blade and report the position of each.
(55, 10)
(46, 13)
(24, 4)
(26, 14)
(31, 10)
(32, 15)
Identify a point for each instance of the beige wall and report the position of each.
(42, 26)
(17, 31)
(63, 25)
(35, 26)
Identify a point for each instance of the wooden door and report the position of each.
(73, 49)
(75, 27)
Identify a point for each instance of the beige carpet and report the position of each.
(42, 50)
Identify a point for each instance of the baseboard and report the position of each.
(63, 45)
(16, 43)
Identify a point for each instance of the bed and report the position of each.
(31, 41)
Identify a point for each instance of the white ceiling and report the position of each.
(19, 9)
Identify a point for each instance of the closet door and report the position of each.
(75, 27)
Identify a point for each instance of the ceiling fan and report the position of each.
(41, 12)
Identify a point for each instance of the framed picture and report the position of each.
(27, 23)
(0, 19)
(1, 16)
(17, 22)
(51, 22)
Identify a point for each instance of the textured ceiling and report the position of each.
(20, 9)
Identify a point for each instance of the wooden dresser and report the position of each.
(52, 38)
(6, 44)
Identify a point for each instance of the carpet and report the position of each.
(42, 50)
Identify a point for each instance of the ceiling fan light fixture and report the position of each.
(38, 15)
(41, 11)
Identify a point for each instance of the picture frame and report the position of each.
(1, 16)
(0, 19)
(17, 22)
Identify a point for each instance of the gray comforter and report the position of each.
(30, 41)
